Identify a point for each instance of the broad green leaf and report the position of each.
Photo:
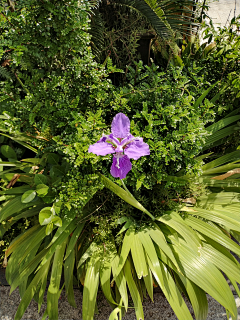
(90, 289)
(53, 289)
(57, 221)
(68, 278)
(57, 206)
(200, 99)
(42, 190)
(222, 217)
(177, 223)
(49, 228)
(34, 161)
(62, 236)
(120, 281)
(170, 290)
(126, 246)
(213, 233)
(73, 239)
(139, 257)
(14, 206)
(19, 240)
(148, 280)
(195, 294)
(114, 314)
(205, 275)
(105, 275)
(8, 152)
(45, 216)
(29, 293)
(58, 171)
(9, 164)
(28, 213)
(221, 261)
(158, 237)
(50, 197)
(28, 196)
(66, 221)
(53, 158)
(40, 179)
(230, 157)
(123, 194)
(16, 190)
(37, 238)
(28, 269)
(88, 253)
(222, 123)
(133, 291)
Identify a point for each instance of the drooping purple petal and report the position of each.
(137, 149)
(121, 169)
(120, 126)
(101, 148)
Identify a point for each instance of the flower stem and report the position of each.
(124, 186)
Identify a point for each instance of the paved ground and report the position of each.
(222, 11)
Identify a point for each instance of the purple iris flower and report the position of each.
(124, 146)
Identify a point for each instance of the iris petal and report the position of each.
(101, 148)
(121, 169)
(137, 149)
(120, 126)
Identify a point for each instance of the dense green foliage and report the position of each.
(181, 213)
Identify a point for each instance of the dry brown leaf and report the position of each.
(227, 174)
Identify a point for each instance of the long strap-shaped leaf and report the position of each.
(204, 274)
(90, 288)
(29, 293)
(133, 291)
(124, 195)
(53, 289)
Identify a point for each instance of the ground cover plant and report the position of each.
(170, 218)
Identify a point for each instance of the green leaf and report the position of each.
(53, 158)
(213, 233)
(59, 237)
(133, 291)
(40, 179)
(57, 221)
(53, 289)
(42, 190)
(205, 275)
(68, 278)
(105, 275)
(57, 206)
(58, 171)
(200, 99)
(123, 195)
(138, 256)
(29, 293)
(8, 152)
(28, 196)
(174, 220)
(49, 228)
(126, 246)
(16, 190)
(14, 206)
(50, 197)
(45, 216)
(170, 290)
(90, 288)
(120, 281)
(73, 239)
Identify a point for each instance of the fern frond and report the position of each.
(4, 73)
